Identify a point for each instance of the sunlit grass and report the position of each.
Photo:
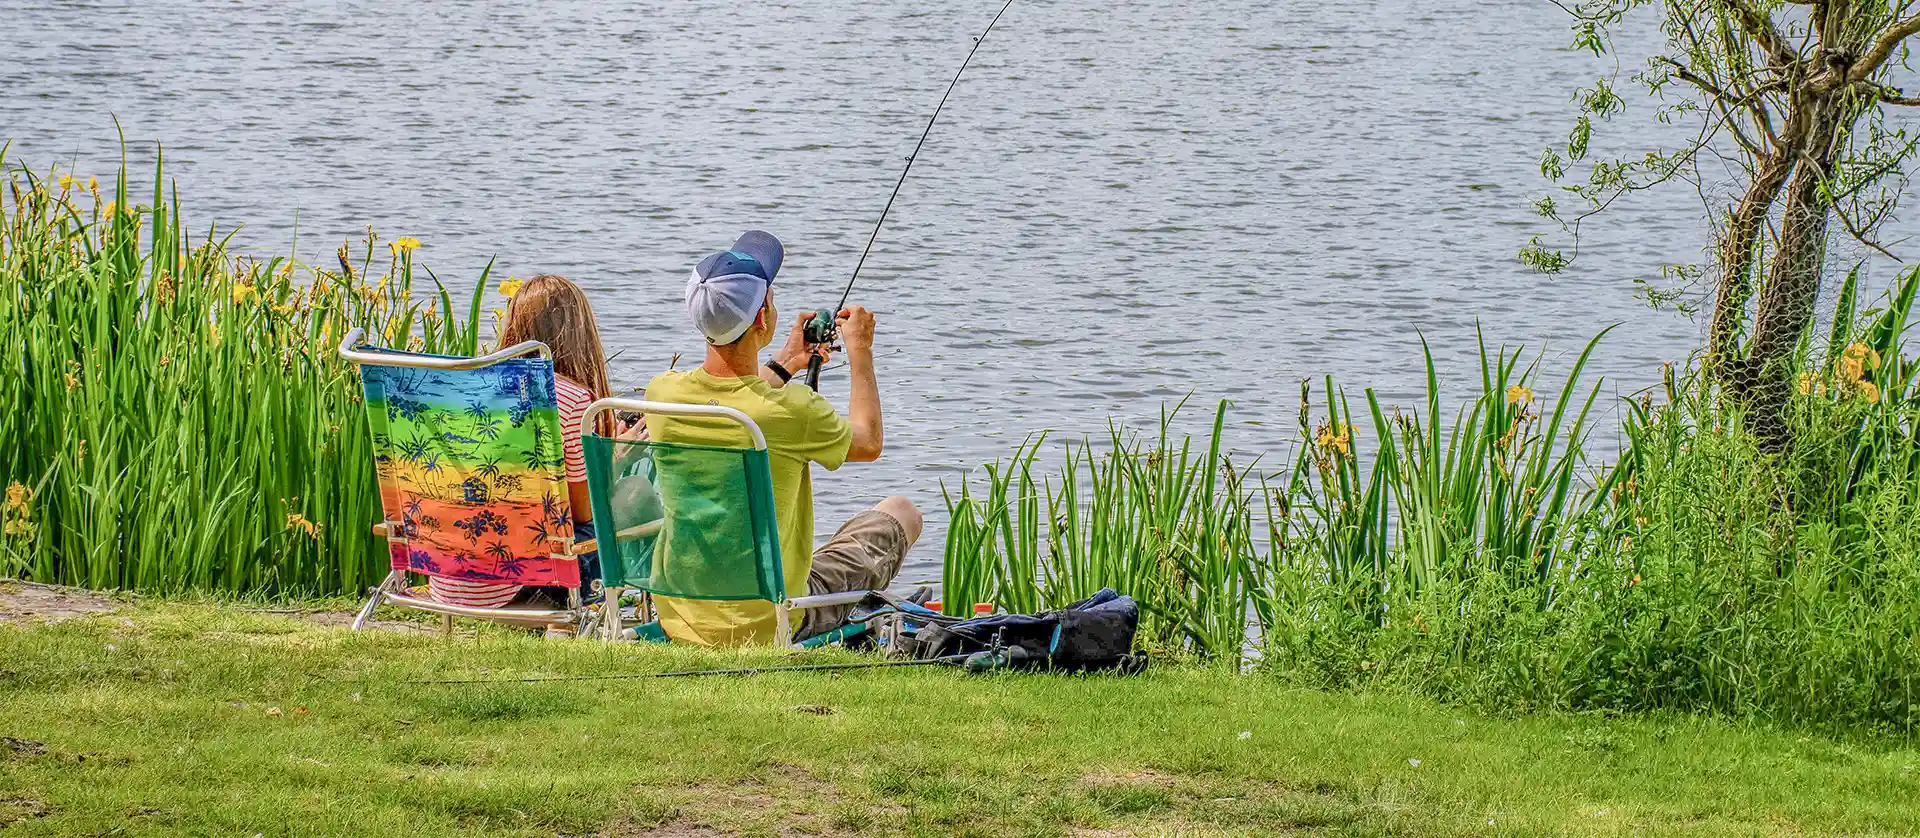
(180, 719)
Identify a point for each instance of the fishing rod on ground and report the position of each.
(992, 660)
(824, 328)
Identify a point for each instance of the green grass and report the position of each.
(157, 721)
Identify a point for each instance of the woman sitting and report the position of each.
(554, 311)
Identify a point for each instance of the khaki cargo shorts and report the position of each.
(865, 554)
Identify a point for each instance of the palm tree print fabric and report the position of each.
(471, 467)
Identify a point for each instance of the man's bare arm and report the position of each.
(863, 400)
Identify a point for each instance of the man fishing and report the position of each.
(730, 298)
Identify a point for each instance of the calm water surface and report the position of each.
(1123, 203)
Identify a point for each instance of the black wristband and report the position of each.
(779, 371)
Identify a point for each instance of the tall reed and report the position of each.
(178, 417)
(1160, 520)
(1486, 557)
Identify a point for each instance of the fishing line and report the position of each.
(823, 328)
(911, 158)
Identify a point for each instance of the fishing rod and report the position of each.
(991, 660)
(823, 329)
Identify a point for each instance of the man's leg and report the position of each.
(864, 555)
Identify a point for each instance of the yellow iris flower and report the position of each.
(1334, 438)
(18, 495)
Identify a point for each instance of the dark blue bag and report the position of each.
(1093, 634)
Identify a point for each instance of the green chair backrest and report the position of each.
(687, 521)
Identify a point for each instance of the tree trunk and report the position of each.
(1737, 251)
(1765, 379)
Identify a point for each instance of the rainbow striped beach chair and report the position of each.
(472, 480)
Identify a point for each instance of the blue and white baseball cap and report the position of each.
(728, 288)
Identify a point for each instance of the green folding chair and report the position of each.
(692, 522)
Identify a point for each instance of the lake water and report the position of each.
(1122, 204)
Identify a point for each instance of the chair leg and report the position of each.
(782, 625)
(446, 625)
(582, 621)
(373, 601)
(610, 614)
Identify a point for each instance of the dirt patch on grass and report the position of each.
(1135, 777)
(32, 603)
(672, 830)
(16, 809)
(344, 619)
(783, 800)
(11, 748)
(29, 602)
(1138, 802)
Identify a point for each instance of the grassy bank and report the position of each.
(177, 417)
(167, 719)
(1493, 557)
(180, 421)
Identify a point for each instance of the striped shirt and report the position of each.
(573, 400)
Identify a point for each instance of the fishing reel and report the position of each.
(822, 330)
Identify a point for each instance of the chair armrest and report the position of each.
(642, 530)
(826, 600)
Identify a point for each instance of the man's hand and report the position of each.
(795, 354)
(856, 328)
(635, 432)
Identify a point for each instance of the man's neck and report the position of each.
(733, 361)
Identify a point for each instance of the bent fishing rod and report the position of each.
(824, 328)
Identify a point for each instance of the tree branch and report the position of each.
(1890, 95)
(1686, 74)
(1726, 101)
(1761, 29)
(1869, 63)
(1863, 236)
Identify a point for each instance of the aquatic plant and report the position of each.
(1161, 520)
(177, 412)
(1485, 557)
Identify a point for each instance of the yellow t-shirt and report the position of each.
(801, 428)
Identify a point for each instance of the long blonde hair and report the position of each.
(553, 310)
